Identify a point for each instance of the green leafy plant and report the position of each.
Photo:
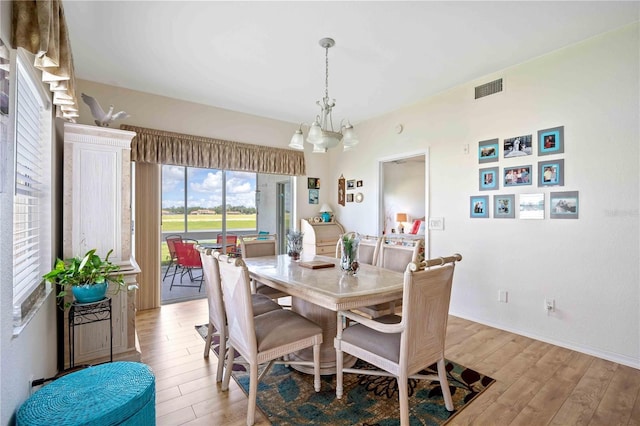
(87, 270)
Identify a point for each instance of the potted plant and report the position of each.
(88, 277)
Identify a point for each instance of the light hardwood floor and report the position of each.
(536, 383)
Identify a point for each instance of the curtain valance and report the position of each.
(40, 28)
(157, 146)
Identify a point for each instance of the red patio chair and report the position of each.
(188, 259)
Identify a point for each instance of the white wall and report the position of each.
(590, 266)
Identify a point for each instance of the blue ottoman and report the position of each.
(117, 393)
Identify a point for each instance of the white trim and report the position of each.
(26, 60)
(609, 356)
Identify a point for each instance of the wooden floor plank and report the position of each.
(536, 383)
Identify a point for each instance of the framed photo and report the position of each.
(504, 206)
(313, 183)
(358, 183)
(479, 206)
(314, 195)
(351, 184)
(551, 173)
(564, 205)
(349, 198)
(488, 151)
(517, 147)
(551, 141)
(516, 176)
(531, 206)
(488, 179)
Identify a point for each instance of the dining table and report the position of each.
(319, 288)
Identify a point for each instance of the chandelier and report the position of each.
(321, 133)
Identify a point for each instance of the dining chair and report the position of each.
(263, 338)
(257, 246)
(394, 254)
(403, 346)
(173, 259)
(188, 259)
(217, 316)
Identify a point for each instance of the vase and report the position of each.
(89, 293)
(349, 258)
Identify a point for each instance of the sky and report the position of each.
(204, 187)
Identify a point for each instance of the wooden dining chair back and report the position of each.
(262, 338)
(368, 249)
(188, 260)
(394, 254)
(173, 258)
(403, 346)
(258, 246)
(217, 315)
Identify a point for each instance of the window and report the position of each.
(193, 200)
(32, 191)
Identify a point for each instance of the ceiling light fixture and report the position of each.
(321, 134)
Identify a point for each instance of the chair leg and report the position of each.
(403, 394)
(339, 360)
(168, 267)
(253, 393)
(231, 353)
(207, 343)
(316, 367)
(444, 384)
(222, 353)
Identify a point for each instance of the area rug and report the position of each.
(287, 397)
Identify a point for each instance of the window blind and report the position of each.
(32, 192)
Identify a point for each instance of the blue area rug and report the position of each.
(287, 397)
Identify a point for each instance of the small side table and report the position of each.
(87, 313)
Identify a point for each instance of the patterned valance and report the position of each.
(39, 27)
(157, 146)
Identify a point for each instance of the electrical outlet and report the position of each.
(503, 296)
(30, 387)
(549, 305)
(465, 148)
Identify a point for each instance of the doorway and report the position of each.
(404, 189)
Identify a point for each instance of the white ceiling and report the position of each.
(263, 58)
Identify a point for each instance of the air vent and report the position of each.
(489, 88)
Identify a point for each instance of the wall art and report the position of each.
(516, 176)
(504, 206)
(551, 141)
(350, 198)
(341, 192)
(488, 179)
(488, 151)
(351, 184)
(313, 183)
(517, 147)
(551, 173)
(564, 205)
(479, 206)
(358, 183)
(314, 195)
(531, 206)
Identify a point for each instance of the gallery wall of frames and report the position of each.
(522, 162)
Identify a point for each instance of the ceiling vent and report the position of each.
(489, 88)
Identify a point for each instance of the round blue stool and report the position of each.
(117, 393)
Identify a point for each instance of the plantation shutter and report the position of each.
(32, 192)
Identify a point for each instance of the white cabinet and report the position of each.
(320, 238)
(97, 214)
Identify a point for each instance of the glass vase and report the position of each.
(349, 258)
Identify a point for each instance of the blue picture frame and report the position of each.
(564, 205)
(488, 179)
(488, 151)
(479, 206)
(504, 206)
(551, 141)
(551, 173)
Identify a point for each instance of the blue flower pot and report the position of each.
(89, 293)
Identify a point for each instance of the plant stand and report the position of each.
(87, 313)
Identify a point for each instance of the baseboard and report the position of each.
(609, 356)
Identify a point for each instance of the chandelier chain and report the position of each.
(326, 72)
